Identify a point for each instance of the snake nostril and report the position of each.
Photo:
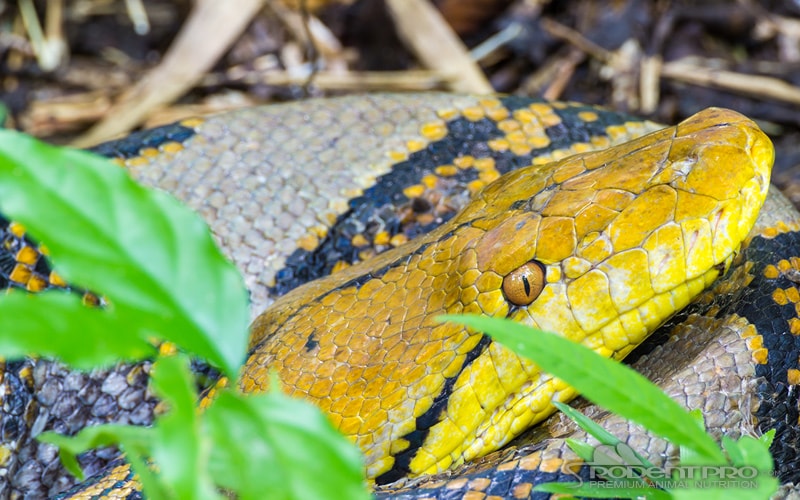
(522, 285)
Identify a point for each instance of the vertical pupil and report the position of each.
(526, 285)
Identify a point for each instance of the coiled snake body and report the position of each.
(601, 247)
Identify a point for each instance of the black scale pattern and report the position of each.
(427, 420)
(379, 208)
(132, 145)
(10, 244)
(778, 399)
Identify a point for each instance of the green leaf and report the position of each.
(583, 490)
(604, 437)
(179, 447)
(747, 475)
(603, 381)
(734, 453)
(689, 455)
(585, 451)
(749, 452)
(104, 339)
(153, 258)
(175, 441)
(133, 439)
(748, 455)
(587, 424)
(767, 437)
(272, 446)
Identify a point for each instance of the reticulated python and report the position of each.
(601, 247)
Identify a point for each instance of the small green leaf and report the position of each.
(104, 338)
(179, 447)
(602, 381)
(280, 448)
(153, 258)
(585, 451)
(582, 490)
(767, 437)
(130, 438)
(587, 424)
(747, 476)
(749, 451)
(761, 488)
(733, 451)
(602, 435)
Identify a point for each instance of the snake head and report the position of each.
(629, 235)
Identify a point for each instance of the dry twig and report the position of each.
(437, 46)
(183, 65)
(753, 85)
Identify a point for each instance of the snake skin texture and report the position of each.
(296, 192)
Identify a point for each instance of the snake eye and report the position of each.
(522, 285)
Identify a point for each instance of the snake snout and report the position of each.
(761, 150)
(733, 163)
(750, 150)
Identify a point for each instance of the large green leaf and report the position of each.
(604, 382)
(281, 448)
(90, 338)
(153, 258)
